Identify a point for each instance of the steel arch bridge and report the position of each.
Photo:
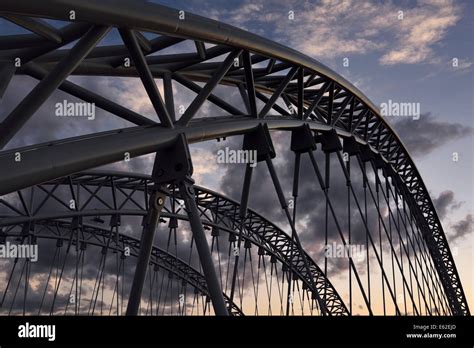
(279, 89)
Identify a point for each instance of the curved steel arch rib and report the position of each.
(216, 211)
(323, 99)
(95, 235)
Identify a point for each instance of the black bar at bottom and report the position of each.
(287, 331)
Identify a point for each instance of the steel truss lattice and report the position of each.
(272, 80)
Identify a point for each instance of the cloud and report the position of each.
(204, 163)
(330, 29)
(462, 228)
(423, 136)
(444, 202)
(464, 65)
(421, 28)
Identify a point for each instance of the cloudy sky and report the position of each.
(404, 51)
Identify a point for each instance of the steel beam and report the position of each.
(39, 73)
(43, 162)
(28, 106)
(277, 93)
(242, 214)
(169, 99)
(186, 191)
(210, 85)
(131, 42)
(7, 70)
(32, 46)
(249, 81)
(37, 26)
(212, 98)
(157, 201)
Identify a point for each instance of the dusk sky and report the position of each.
(403, 51)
